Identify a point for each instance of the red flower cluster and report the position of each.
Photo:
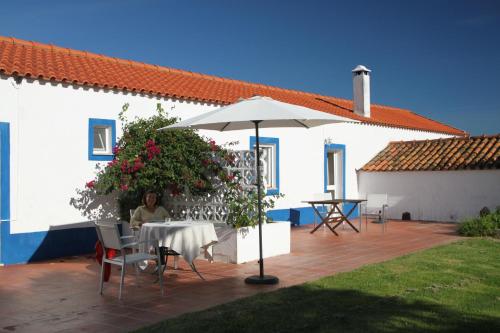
(138, 164)
(213, 145)
(125, 166)
(116, 150)
(90, 184)
(112, 163)
(124, 187)
(152, 149)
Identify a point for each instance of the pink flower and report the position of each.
(90, 184)
(138, 164)
(116, 150)
(124, 187)
(124, 166)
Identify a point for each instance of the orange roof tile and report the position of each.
(480, 152)
(48, 62)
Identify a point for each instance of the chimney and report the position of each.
(361, 90)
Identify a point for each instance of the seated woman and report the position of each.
(149, 211)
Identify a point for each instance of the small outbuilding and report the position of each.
(436, 180)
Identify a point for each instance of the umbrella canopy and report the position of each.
(258, 112)
(270, 112)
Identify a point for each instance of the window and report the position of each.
(269, 161)
(102, 139)
(334, 169)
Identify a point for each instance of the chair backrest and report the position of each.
(376, 200)
(127, 229)
(108, 234)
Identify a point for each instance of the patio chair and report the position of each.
(376, 206)
(109, 236)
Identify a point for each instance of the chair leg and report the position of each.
(136, 265)
(160, 274)
(122, 277)
(101, 279)
(176, 262)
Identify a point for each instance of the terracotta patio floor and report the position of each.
(61, 295)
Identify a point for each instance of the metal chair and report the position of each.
(376, 206)
(110, 238)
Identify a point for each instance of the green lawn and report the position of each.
(452, 288)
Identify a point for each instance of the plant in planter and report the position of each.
(243, 209)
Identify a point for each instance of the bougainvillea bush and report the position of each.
(175, 161)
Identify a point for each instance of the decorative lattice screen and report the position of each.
(211, 207)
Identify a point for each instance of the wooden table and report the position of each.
(339, 217)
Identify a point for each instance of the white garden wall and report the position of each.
(49, 147)
(435, 195)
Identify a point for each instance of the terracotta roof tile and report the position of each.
(49, 62)
(480, 152)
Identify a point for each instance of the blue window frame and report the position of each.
(329, 149)
(272, 174)
(102, 139)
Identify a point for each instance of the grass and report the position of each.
(451, 288)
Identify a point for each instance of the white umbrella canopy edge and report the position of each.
(269, 112)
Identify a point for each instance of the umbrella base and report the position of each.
(266, 279)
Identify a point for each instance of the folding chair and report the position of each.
(110, 238)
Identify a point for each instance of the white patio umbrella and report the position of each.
(258, 112)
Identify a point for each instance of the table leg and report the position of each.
(193, 267)
(323, 220)
(344, 217)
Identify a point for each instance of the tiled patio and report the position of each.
(61, 295)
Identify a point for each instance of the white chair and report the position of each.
(109, 237)
(376, 206)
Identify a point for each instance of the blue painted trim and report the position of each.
(101, 122)
(300, 215)
(330, 147)
(42, 245)
(4, 188)
(270, 141)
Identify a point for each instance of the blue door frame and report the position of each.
(4, 186)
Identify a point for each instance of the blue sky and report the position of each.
(440, 59)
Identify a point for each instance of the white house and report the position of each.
(58, 119)
(436, 180)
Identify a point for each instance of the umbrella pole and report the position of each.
(261, 278)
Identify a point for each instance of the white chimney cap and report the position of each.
(360, 68)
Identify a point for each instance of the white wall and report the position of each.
(435, 195)
(49, 147)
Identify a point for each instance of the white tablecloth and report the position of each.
(188, 239)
